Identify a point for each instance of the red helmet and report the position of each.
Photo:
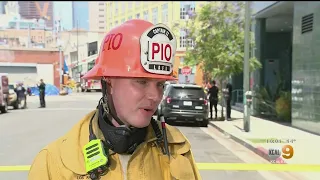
(137, 48)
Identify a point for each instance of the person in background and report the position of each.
(42, 92)
(20, 91)
(228, 91)
(29, 91)
(213, 98)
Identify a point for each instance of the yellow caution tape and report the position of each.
(222, 166)
(259, 167)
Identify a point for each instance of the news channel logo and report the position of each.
(285, 152)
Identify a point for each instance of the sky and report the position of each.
(64, 10)
(259, 5)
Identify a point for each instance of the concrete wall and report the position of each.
(27, 75)
(45, 72)
(44, 58)
(305, 69)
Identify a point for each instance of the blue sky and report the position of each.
(64, 10)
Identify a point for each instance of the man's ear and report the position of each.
(109, 85)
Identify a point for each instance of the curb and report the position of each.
(261, 151)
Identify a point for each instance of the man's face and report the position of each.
(136, 99)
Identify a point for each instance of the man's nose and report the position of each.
(154, 92)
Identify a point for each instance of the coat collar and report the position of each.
(72, 143)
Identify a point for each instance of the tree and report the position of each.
(217, 31)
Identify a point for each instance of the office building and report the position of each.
(97, 16)
(287, 43)
(167, 12)
(2, 6)
(37, 10)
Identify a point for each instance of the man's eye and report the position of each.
(161, 85)
(142, 82)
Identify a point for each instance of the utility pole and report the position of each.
(246, 75)
(78, 68)
(60, 53)
(29, 39)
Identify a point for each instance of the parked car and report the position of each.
(17, 103)
(164, 89)
(13, 99)
(4, 92)
(184, 103)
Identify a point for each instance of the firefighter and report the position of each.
(42, 93)
(120, 139)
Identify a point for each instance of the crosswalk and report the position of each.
(68, 98)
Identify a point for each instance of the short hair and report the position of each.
(213, 82)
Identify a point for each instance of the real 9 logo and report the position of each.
(287, 152)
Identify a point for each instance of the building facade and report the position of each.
(305, 66)
(80, 50)
(97, 16)
(26, 38)
(29, 65)
(287, 45)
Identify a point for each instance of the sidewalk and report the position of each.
(306, 145)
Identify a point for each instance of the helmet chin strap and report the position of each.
(108, 105)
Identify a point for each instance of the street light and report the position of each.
(246, 66)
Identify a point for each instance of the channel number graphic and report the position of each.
(285, 152)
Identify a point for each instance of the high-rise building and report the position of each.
(80, 14)
(2, 5)
(37, 10)
(97, 15)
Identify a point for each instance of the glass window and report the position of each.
(155, 15)
(164, 17)
(145, 15)
(123, 7)
(116, 7)
(130, 5)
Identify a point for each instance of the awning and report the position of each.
(65, 67)
(280, 8)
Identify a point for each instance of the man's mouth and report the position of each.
(148, 110)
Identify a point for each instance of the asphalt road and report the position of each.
(24, 132)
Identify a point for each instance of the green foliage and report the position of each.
(275, 104)
(218, 33)
(283, 106)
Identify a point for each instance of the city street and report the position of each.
(24, 132)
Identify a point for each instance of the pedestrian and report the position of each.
(228, 91)
(42, 93)
(120, 139)
(213, 98)
(21, 94)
